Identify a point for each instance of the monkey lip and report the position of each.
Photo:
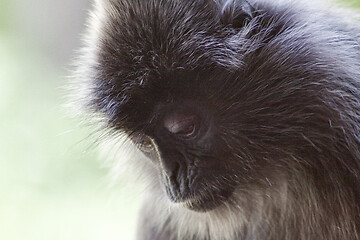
(197, 197)
(207, 202)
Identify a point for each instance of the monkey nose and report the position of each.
(182, 124)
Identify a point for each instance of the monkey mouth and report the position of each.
(197, 196)
(207, 202)
(204, 202)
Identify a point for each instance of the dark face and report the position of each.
(183, 142)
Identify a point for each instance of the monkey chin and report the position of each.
(209, 202)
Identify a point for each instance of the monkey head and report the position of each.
(217, 94)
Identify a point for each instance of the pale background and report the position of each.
(52, 184)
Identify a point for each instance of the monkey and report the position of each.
(243, 115)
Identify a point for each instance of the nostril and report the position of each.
(181, 124)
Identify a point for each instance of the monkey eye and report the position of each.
(187, 130)
(146, 144)
(143, 142)
(182, 125)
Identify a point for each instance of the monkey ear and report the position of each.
(236, 13)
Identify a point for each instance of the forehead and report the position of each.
(142, 38)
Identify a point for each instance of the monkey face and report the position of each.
(173, 121)
(158, 75)
(182, 141)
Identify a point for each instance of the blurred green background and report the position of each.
(52, 185)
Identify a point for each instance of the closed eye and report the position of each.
(182, 125)
(143, 142)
